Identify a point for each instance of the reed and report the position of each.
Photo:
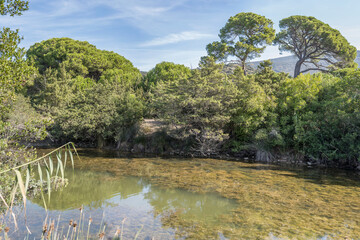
(51, 176)
(52, 233)
(23, 175)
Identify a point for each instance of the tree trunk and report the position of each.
(243, 66)
(100, 141)
(298, 68)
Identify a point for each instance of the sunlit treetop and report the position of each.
(314, 43)
(79, 58)
(244, 36)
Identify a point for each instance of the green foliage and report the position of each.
(14, 69)
(255, 103)
(90, 94)
(199, 104)
(315, 43)
(19, 177)
(79, 59)
(167, 72)
(320, 117)
(18, 121)
(198, 101)
(294, 96)
(13, 7)
(244, 36)
(99, 113)
(22, 125)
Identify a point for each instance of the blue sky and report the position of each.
(148, 32)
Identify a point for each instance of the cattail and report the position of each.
(117, 233)
(101, 235)
(74, 226)
(71, 222)
(90, 220)
(44, 229)
(7, 229)
(52, 226)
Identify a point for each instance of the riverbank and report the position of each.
(151, 138)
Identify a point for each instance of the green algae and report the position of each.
(287, 203)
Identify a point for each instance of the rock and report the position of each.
(138, 148)
(124, 146)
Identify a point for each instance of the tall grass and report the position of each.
(23, 175)
(50, 177)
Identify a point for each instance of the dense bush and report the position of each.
(165, 72)
(198, 106)
(89, 93)
(256, 102)
(316, 115)
(328, 129)
(93, 96)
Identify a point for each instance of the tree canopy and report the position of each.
(13, 7)
(90, 94)
(314, 43)
(243, 36)
(79, 58)
(165, 71)
(14, 69)
(199, 106)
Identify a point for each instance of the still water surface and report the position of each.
(202, 199)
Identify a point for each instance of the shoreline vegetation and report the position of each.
(65, 90)
(98, 98)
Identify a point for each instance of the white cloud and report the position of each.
(176, 37)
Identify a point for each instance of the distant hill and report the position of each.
(281, 64)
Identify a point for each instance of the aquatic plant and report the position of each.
(55, 178)
(288, 203)
(52, 231)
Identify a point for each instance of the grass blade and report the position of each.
(65, 155)
(48, 183)
(28, 170)
(46, 164)
(12, 198)
(40, 175)
(21, 186)
(2, 198)
(41, 186)
(61, 170)
(51, 165)
(71, 158)
(137, 234)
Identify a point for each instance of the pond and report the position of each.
(159, 198)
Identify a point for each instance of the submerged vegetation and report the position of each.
(285, 202)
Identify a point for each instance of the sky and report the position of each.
(148, 32)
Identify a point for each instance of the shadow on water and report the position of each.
(133, 198)
(327, 176)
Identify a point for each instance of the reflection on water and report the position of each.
(118, 197)
(206, 199)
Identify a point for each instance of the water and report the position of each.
(202, 199)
